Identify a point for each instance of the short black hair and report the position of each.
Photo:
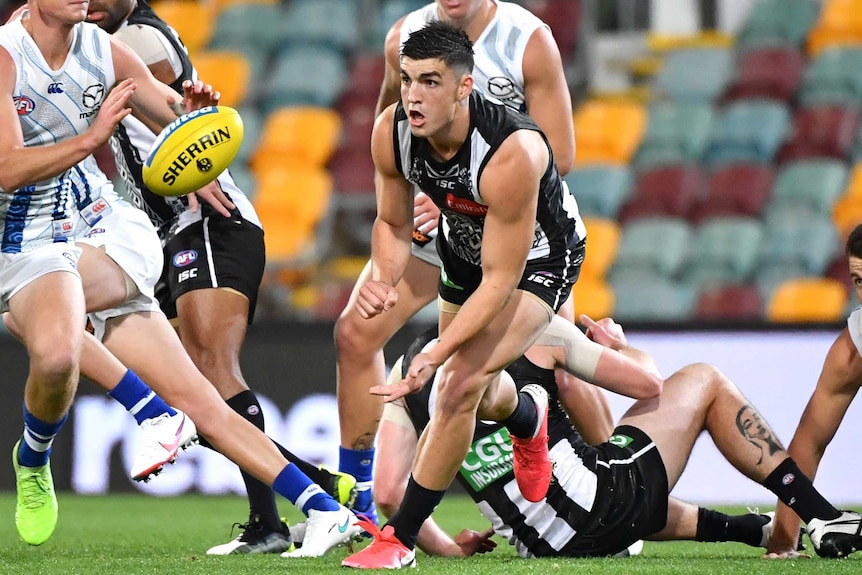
(853, 248)
(440, 40)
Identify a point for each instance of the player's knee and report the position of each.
(54, 365)
(353, 336)
(386, 497)
(705, 373)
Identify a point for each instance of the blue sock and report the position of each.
(138, 399)
(359, 463)
(36, 443)
(295, 485)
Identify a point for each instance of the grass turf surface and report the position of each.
(136, 534)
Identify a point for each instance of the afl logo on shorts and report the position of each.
(24, 105)
(184, 258)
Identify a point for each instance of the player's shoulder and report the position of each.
(509, 11)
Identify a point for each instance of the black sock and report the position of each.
(523, 421)
(261, 497)
(713, 526)
(795, 490)
(320, 476)
(418, 504)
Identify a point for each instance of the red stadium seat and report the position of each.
(564, 19)
(366, 74)
(730, 302)
(821, 132)
(773, 72)
(740, 189)
(357, 119)
(353, 171)
(667, 190)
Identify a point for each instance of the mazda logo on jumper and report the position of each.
(92, 99)
(501, 87)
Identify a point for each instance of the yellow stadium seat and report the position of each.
(847, 214)
(658, 42)
(290, 204)
(297, 136)
(193, 21)
(228, 72)
(608, 131)
(222, 4)
(593, 297)
(808, 300)
(854, 184)
(840, 24)
(603, 239)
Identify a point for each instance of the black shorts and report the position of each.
(549, 279)
(215, 252)
(631, 500)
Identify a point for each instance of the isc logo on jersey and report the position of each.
(193, 150)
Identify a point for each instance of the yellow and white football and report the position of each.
(193, 150)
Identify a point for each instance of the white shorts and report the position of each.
(427, 252)
(130, 240)
(19, 270)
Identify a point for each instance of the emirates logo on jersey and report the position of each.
(465, 206)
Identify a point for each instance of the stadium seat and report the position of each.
(822, 132)
(810, 184)
(675, 134)
(253, 28)
(653, 245)
(228, 72)
(332, 23)
(838, 270)
(303, 136)
(389, 12)
(847, 214)
(800, 238)
(290, 204)
(748, 131)
(600, 189)
(668, 190)
(593, 297)
(833, 77)
(564, 19)
(808, 300)
(603, 238)
(738, 189)
(779, 22)
(659, 301)
(694, 75)
(193, 21)
(252, 123)
(353, 171)
(839, 24)
(357, 120)
(724, 250)
(772, 72)
(366, 74)
(730, 302)
(305, 76)
(608, 131)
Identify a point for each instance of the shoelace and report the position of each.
(34, 490)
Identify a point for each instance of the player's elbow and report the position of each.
(652, 386)
(565, 161)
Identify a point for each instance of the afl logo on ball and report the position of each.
(184, 258)
(204, 165)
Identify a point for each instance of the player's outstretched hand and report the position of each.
(374, 298)
(114, 108)
(604, 332)
(420, 371)
(196, 95)
(426, 214)
(214, 196)
(472, 542)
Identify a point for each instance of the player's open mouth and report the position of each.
(415, 117)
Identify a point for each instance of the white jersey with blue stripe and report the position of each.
(854, 326)
(55, 105)
(498, 52)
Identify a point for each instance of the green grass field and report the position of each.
(138, 535)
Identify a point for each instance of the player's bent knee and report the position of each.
(354, 335)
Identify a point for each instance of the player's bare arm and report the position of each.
(19, 165)
(547, 96)
(510, 186)
(837, 385)
(390, 90)
(393, 227)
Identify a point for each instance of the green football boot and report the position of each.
(36, 512)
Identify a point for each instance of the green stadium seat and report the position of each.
(799, 237)
(305, 76)
(694, 75)
(748, 131)
(659, 301)
(810, 184)
(724, 250)
(600, 189)
(779, 22)
(655, 244)
(834, 77)
(323, 22)
(250, 28)
(675, 134)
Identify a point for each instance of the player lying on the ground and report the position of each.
(604, 498)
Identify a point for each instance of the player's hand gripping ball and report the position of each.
(193, 150)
